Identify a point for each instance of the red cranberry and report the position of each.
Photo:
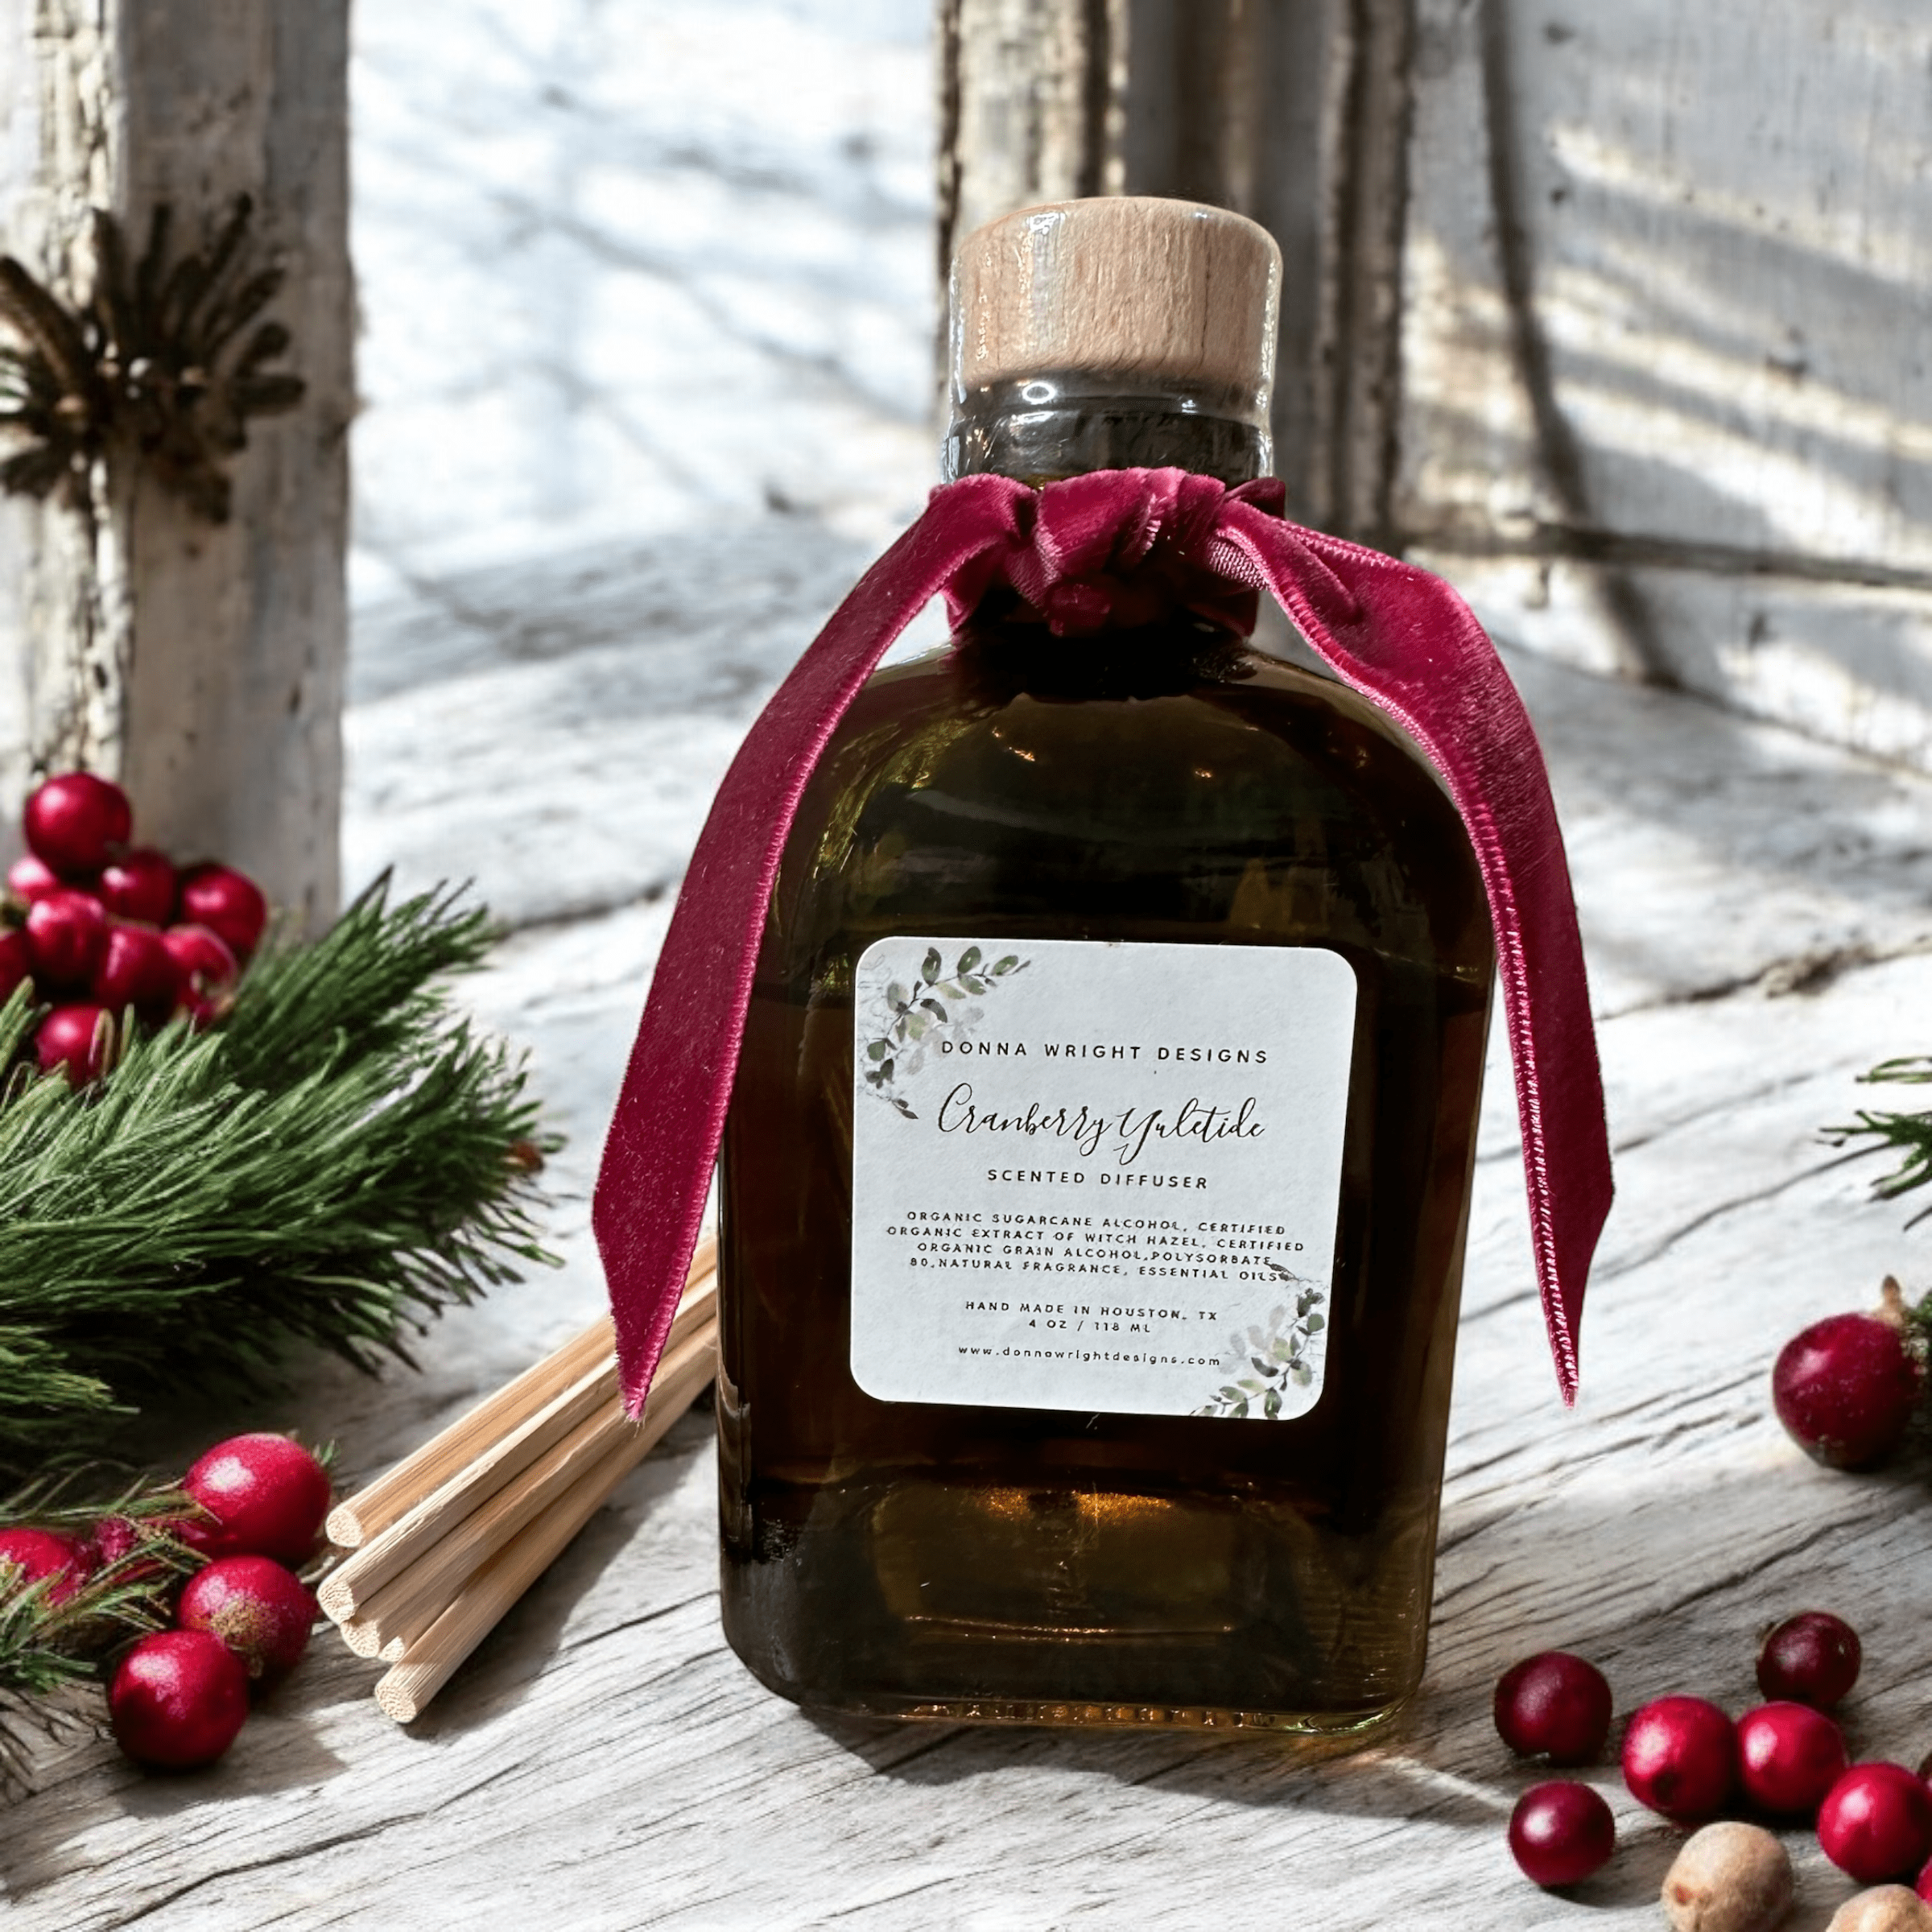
(66, 938)
(78, 1038)
(178, 1699)
(1876, 1822)
(1845, 1389)
(139, 885)
(138, 971)
(114, 1540)
(261, 1612)
(29, 878)
(1811, 1658)
(207, 964)
(1789, 1757)
(1924, 1886)
(267, 1494)
(1680, 1758)
(26, 1555)
(77, 822)
(1560, 1833)
(16, 961)
(227, 902)
(1555, 1705)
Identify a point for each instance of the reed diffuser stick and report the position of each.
(365, 1515)
(427, 1664)
(463, 1478)
(412, 1600)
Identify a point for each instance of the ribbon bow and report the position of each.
(1117, 546)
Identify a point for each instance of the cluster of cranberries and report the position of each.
(1685, 1758)
(100, 926)
(178, 1698)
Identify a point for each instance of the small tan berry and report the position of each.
(1883, 1908)
(1728, 1878)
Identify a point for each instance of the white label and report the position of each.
(1097, 1177)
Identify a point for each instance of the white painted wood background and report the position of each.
(200, 666)
(552, 663)
(1667, 407)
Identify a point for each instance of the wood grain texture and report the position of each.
(1662, 320)
(1175, 295)
(430, 1659)
(201, 666)
(1755, 913)
(470, 1462)
(1294, 116)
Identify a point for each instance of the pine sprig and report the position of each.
(342, 1157)
(54, 1638)
(1909, 1134)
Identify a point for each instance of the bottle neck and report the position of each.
(1041, 428)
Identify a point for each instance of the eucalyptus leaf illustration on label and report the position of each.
(1097, 1177)
(910, 1012)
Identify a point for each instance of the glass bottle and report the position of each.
(941, 1497)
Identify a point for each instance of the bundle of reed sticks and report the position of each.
(441, 1546)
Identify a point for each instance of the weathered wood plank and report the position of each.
(1662, 320)
(1292, 115)
(201, 666)
(604, 1761)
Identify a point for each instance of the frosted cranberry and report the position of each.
(178, 1699)
(1845, 1389)
(1560, 1833)
(138, 970)
(29, 878)
(1812, 1658)
(66, 938)
(1553, 1705)
(120, 1540)
(1680, 1758)
(261, 1612)
(16, 961)
(78, 1039)
(76, 823)
(139, 885)
(1789, 1757)
(1876, 1822)
(267, 1494)
(227, 902)
(27, 1555)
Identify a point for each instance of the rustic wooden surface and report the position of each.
(1292, 115)
(1617, 313)
(1755, 909)
(1665, 406)
(559, 348)
(202, 666)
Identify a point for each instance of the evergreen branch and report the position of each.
(56, 1635)
(338, 1161)
(1909, 1134)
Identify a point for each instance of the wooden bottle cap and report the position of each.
(1154, 294)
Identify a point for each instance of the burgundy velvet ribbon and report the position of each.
(1117, 546)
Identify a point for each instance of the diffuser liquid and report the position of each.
(1166, 786)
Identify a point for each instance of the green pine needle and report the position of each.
(1910, 1133)
(50, 1647)
(342, 1157)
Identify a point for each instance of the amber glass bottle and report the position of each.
(1096, 1176)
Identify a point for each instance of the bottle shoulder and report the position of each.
(1208, 721)
(1180, 783)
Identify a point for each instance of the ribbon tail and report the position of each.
(649, 1203)
(1409, 643)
